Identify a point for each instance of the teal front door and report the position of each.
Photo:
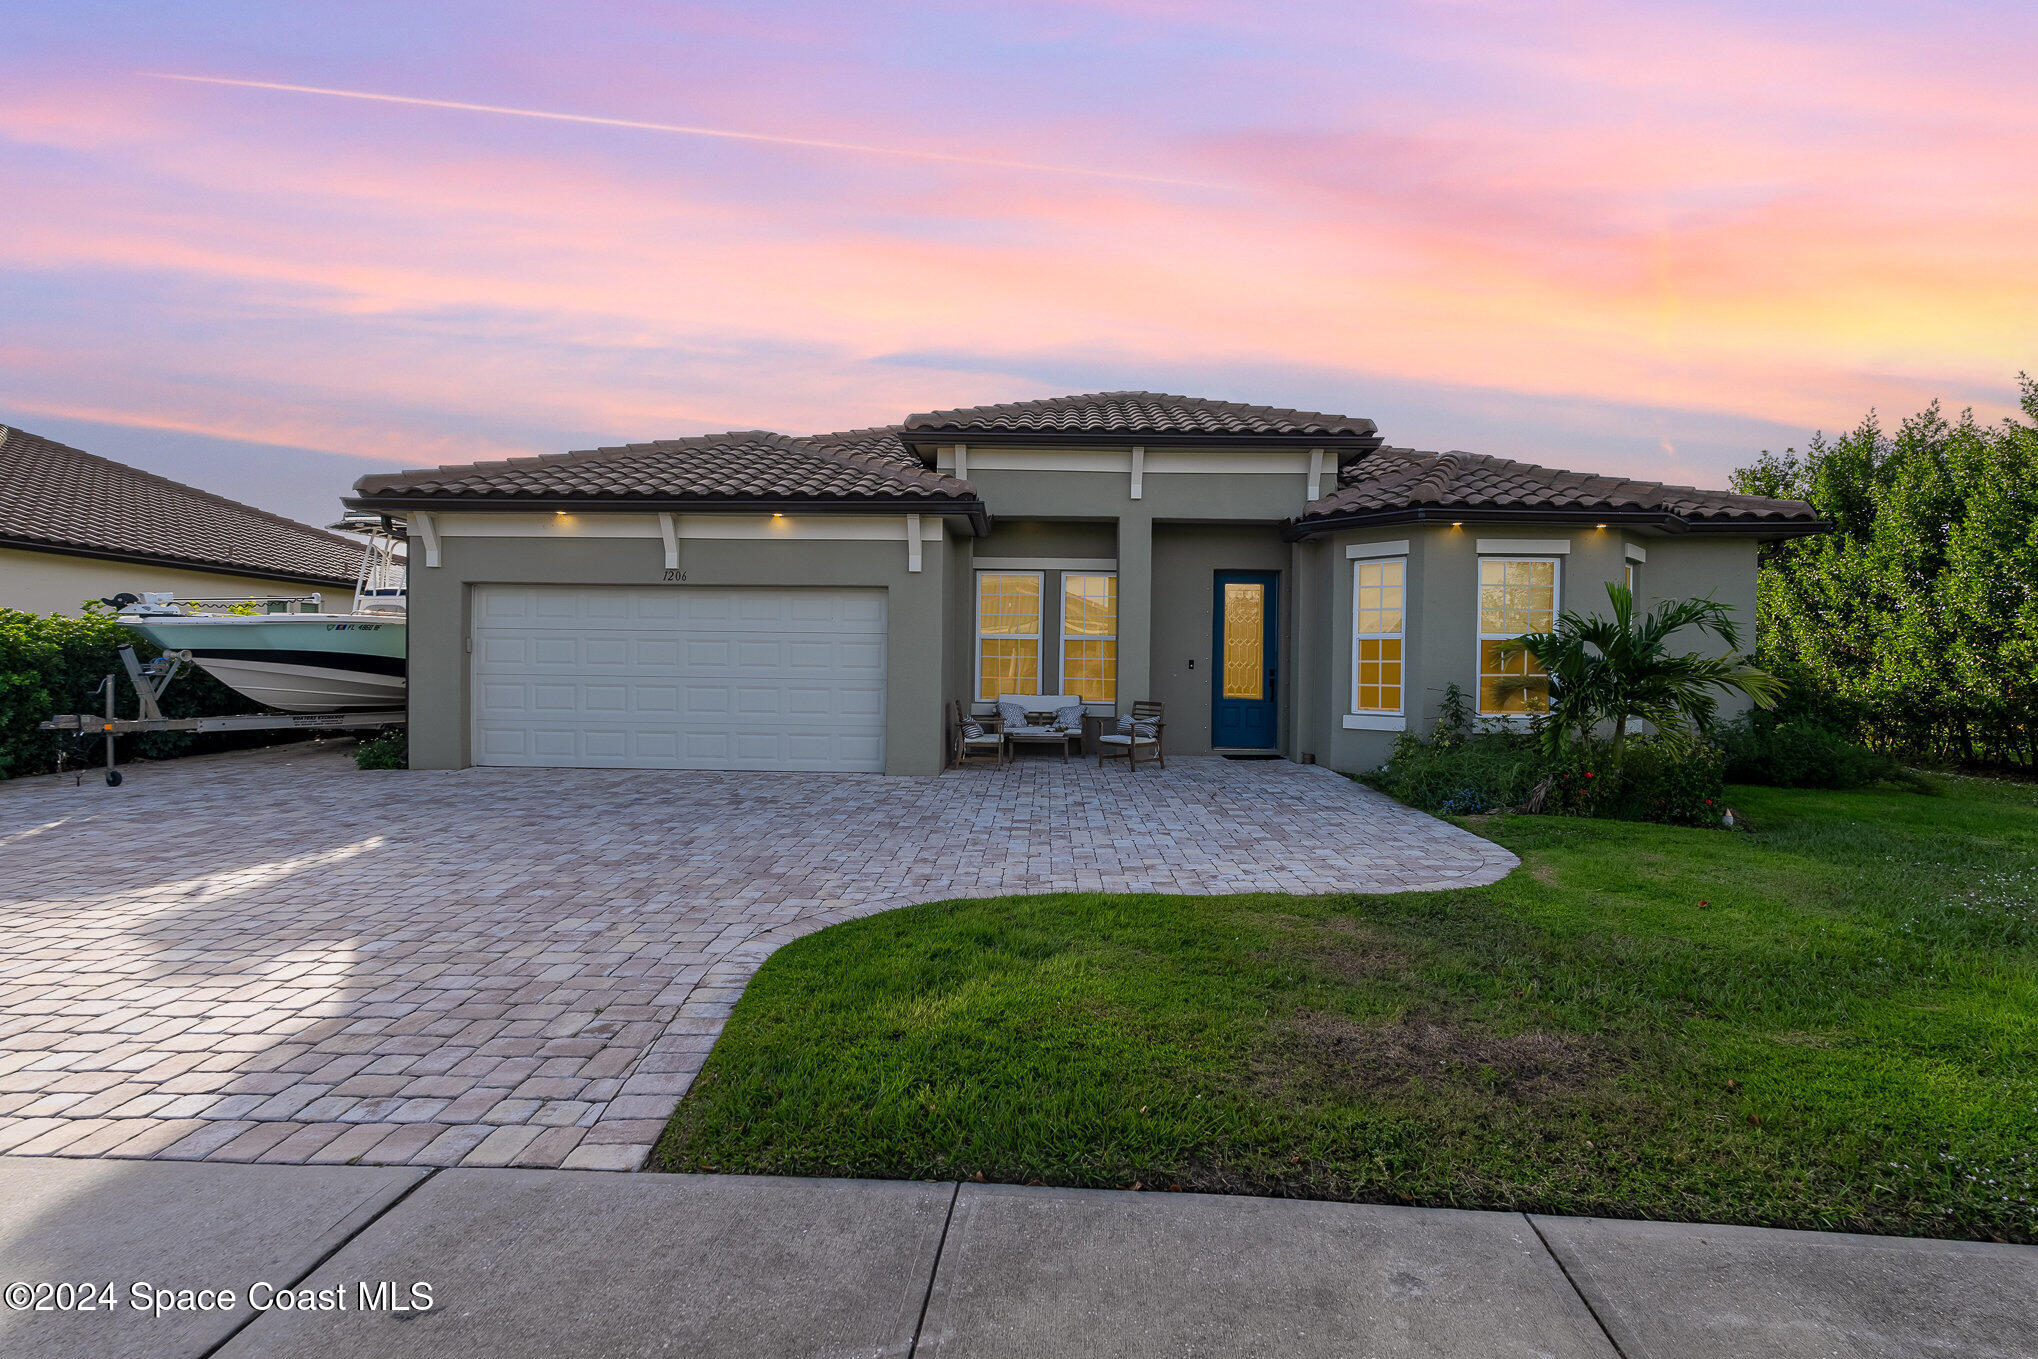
(1245, 678)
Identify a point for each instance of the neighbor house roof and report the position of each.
(1118, 416)
(1403, 483)
(856, 467)
(57, 498)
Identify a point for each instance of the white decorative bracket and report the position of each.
(669, 531)
(912, 542)
(429, 531)
(1138, 469)
(1315, 473)
(962, 462)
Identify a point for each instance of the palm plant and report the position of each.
(1621, 670)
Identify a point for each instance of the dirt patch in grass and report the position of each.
(1353, 950)
(1373, 1059)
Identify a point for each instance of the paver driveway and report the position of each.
(273, 956)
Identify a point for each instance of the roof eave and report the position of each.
(1669, 522)
(182, 563)
(972, 510)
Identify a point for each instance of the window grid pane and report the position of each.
(1008, 633)
(1091, 636)
(1008, 606)
(1089, 627)
(1009, 667)
(1515, 597)
(1379, 598)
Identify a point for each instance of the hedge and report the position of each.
(51, 664)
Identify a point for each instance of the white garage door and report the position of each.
(679, 677)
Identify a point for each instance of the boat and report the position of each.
(297, 662)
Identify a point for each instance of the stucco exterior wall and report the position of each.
(918, 638)
(1034, 538)
(1440, 640)
(1186, 560)
(56, 582)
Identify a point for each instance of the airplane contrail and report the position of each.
(727, 134)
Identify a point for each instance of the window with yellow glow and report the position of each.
(1515, 597)
(1008, 633)
(1633, 582)
(1379, 593)
(1089, 637)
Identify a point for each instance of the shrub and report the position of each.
(1678, 784)
(51, 664)
(390, 750)
(1805, 753)
(1461, 770)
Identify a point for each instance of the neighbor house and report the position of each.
(75, 527)
(1280, 580)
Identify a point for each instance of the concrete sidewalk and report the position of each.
(543, 1263)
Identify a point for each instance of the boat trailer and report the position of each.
(152, 678)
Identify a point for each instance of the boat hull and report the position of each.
(300, 663)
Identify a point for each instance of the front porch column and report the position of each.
(1135, 611)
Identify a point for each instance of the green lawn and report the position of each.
(1831, 1022)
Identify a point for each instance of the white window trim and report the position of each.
(1375, 722)
(1061, 658)
(1397, 548)
(1481, 636)
(976, 687)
(1522, 549)
(1352, 677)
(1082, 566)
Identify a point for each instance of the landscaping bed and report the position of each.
(1829, 1022)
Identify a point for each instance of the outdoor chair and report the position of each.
(1138, 738)
(986, 747)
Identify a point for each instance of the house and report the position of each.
(1284, 582)
(77, 527)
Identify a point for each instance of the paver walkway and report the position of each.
(272, 956)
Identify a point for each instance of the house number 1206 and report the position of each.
(675, 577)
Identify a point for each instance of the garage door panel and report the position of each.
(554, 652)
(679, 677)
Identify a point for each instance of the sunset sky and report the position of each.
(1640, 238)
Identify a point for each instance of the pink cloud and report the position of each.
(1646, 243)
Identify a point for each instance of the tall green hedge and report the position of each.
(51, 664)
(1916, 620)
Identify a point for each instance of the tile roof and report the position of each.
(55, 496)
(882, 464)
(1391, 480)
(1138, 413)
(866, 465)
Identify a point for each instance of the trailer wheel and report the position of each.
(113, 778)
